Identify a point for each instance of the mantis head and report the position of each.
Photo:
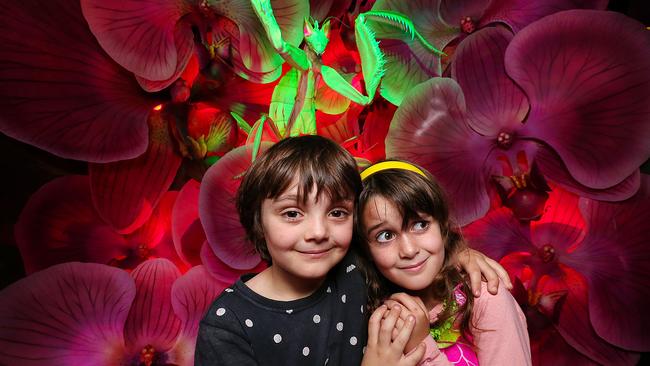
(316, 37)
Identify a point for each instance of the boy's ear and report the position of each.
(326, 28)
(307, 29)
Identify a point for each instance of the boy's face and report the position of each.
(409, 258)
(306, 240)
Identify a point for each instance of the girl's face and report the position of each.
(409, 258)
(305, 240)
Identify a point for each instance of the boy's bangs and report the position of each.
(333, 185)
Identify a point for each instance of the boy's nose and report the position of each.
(407, 249)
(317, 229)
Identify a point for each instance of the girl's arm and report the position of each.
(502, 338)
(477, 265)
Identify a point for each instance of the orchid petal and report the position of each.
(452, 11)
(498, 234)
(581, 92)
(494, 102)
(256, 50)
(552, 167)
(187, 232)
(126, 192)
(329, 101)
(60, 92)
(192, 295)
(375, 130)
(407, 64)
(218, 213)
(151, 320)
(562, 224)
(320, 9)
(550, 348)
(519, 13)
(59, 220)
(68, 314)
(139, 35)
(184, 54)
(155, 235)
(576, 328)
(221, 271)
(225, 29)
(429, 128)
(613, 257)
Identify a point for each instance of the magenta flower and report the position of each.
(217, 211)
(154, 39)
(553, 95)
(444, 23)
(582, 271)
(93, 314)
(61, 92)
(190, 240)
(59, 224)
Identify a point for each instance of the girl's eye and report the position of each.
(338, 213)
(420, 225)
(384, 236)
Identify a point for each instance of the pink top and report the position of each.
(503, 338)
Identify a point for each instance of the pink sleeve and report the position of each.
(502, 335)
(432, 355)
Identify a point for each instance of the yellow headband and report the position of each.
(385, 165)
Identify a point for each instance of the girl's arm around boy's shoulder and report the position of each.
(502, 334)
(222, 340)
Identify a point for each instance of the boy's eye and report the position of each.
(420, 225)
(384, 236)
(291, 214)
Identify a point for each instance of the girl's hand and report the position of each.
(478, 266)
(413, 306)
(382, 349)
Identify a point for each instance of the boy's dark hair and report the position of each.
(316, 161)
(414, 194)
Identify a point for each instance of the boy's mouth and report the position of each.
(316, 253)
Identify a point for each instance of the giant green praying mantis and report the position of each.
(292, 109)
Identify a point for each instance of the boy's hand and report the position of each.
(412, 305)
(478, 266)
(382, 349)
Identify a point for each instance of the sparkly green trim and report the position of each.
(445, 334)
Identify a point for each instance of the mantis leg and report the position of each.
(372, 58)
(291, 54)
(335, 81)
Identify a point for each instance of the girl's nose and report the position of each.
(407, 248)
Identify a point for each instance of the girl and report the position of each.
(408, 236)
